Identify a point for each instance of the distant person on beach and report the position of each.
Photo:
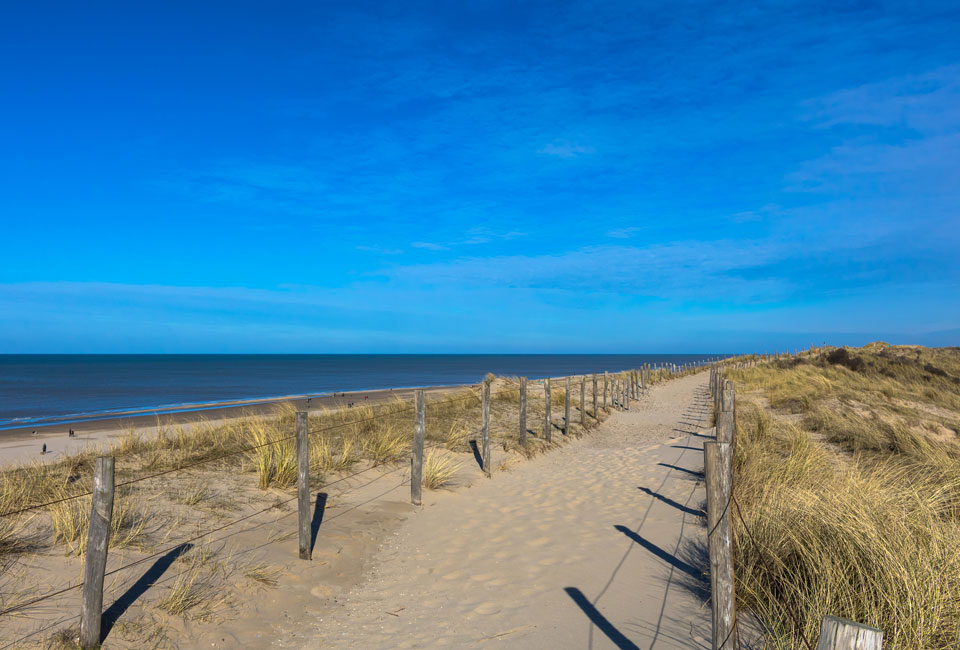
(71, 433)
(43, 450)
(34, 432)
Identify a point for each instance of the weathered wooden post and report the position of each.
(841, 634)
(303, 484)
(604, 390)
(547, 424)
(566, 410)
(416, 458)
(486, 428)
(583, 401)
(719, 476)
(523, 411)
(725, 421)
(626, 393)
(95, 560)
(595, 415)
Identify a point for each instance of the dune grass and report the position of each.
(847, 475)
(438, 469)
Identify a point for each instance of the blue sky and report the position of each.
(478, 177)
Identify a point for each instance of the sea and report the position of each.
(44, 389)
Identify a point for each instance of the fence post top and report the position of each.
(845, 621)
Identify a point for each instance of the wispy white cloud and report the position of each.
(566, 150)
(379, 249)
(625, 233)
(430, 246)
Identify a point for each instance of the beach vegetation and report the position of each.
(847, 476)
(439, 469)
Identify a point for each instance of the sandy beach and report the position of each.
(595, 543)
(594, 546)
(20, 445)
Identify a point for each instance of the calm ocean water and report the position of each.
(37, 389)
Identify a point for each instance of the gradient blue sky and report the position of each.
(478, 177)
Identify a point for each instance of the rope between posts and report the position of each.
(181, 543)
(21, 606)
(213, 459)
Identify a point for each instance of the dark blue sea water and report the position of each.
(37, 389)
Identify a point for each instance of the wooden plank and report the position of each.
(303, 484)
(95, 560)
(604, 390)
(547, 424)
(719, 478)
(583, 401)
(725, 417)
(566, 409)
(416, 456)
(841, 634)
(523, 411)
(595, 415)
(486, 428)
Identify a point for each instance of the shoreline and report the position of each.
(21, 444)
(19, 424)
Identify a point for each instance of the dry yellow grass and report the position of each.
(855, 510)
(438, 469)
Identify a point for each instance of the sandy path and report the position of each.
(585, 547)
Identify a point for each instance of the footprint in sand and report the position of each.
(483, 577)
(486, 609)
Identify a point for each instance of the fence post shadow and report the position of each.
(674, 504)
(113, 613)
(598, 619)
(318, 511)
(477, 456)
(667, 557)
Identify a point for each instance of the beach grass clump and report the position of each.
(852, 509)
(193, 592)
(70, 523)
(385, 444)
(439, 469)
(263, 574)
(193, 493)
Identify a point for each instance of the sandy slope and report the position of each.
(587, 547)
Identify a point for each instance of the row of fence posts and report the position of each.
(835, 633)
(629, 385)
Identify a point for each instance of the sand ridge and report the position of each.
(591, 546)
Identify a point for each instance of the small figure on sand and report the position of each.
(43, 450)
(71, 434)
(34, 432)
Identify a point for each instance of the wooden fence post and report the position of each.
(626, 393)
(416, 458)
(303, 484)
(719, 477)
(841, 634)
(486, 427)
(583, 401)
(95, 560)
(596, 416)
(566, 410)
(725, 423)
(547, 424)
(523, 411)
(604, 390)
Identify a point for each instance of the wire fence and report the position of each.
(386, 412)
